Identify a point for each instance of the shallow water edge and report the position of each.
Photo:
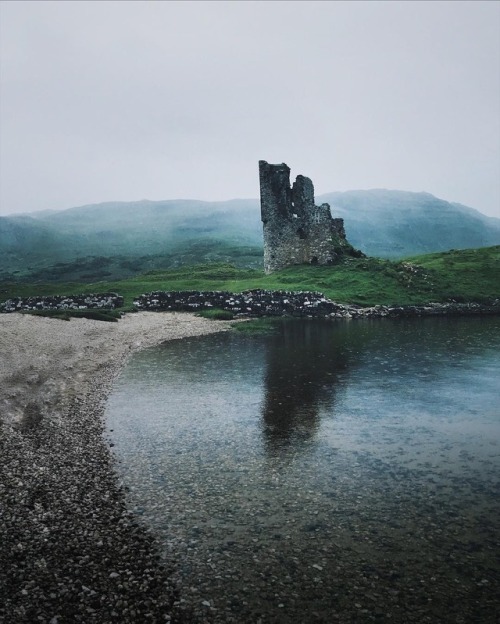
(335, 472)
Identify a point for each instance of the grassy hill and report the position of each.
(95, 268)
(466, 275)
(118, 240)
(149, 234)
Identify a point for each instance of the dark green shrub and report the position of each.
(216, 314)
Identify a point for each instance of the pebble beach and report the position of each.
(69, 549)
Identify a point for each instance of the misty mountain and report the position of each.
(383, 223)
(161, 230)
(395, 224)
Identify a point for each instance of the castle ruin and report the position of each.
(295, 230)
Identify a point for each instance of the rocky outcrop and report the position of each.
(61, 302)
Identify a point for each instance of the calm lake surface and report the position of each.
(330, 472)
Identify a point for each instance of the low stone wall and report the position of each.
(61, 302)
(298, 304)
(248, 303)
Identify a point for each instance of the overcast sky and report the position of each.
(117, 100)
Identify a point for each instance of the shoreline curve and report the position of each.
(69, 549)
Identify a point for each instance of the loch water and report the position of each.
(327, 472)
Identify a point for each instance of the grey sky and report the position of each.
(162, 100)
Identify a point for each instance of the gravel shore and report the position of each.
(69, 550)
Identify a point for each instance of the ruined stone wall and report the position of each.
(295, 230)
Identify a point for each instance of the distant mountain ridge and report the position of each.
(395, 224)
(384, 223)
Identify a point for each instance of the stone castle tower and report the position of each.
(295, 230)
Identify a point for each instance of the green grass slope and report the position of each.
(470, 273)
(96, 268)
(466, 275)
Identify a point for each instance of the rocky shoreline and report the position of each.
(69, 550)
(257, 303)
(251, 303)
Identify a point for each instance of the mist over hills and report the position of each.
(101, 239)
(395, 224)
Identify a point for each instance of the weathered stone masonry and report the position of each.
(295, 230)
